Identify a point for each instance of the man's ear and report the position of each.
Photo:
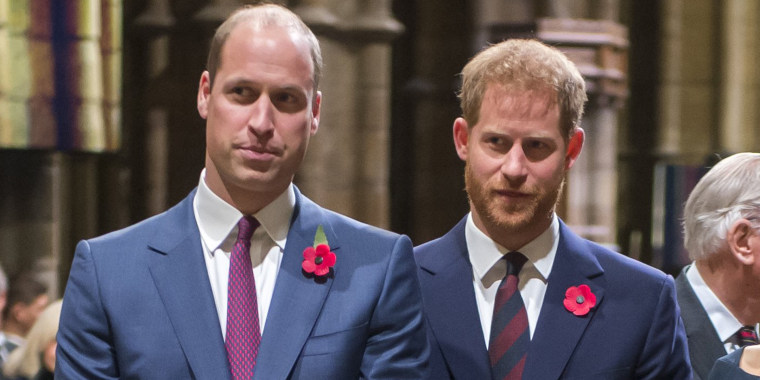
(316, 107)
(461, 137)
(17, 311)
(574, 147)
(204, 92)
(739, 240)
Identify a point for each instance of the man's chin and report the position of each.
(511, 223)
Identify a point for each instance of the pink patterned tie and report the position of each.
(243, 333)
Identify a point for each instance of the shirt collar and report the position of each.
(217, 218)
(724, 322)
(540, 252)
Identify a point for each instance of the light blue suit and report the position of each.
(138, 304)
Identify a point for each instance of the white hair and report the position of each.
(728, 192)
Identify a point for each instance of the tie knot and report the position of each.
(515, 261)
(246, 226)
(747, 336)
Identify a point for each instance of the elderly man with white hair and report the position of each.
(719, 293)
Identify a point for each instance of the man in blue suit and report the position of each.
(510, 292)
(227, 284)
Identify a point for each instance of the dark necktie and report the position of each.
(510, 336)
(747, 336)
(243, 333)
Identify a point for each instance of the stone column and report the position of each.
(5, 68)
(328, 173)
(27, 76)
(155, 24)
(740, 80)
(688, 100)
(687, 119)
(83, 93)
(429, 172)
(599, 49)
(347, 166)
(111, 48)
(376, 28)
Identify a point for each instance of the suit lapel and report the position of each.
(297, 299)
(558, 331)
(705, 346)
(451, 308)
(179, 273)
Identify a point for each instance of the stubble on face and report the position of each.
(505, 218)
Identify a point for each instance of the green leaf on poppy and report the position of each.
(320, 237)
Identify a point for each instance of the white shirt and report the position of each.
(217, 221)
(486, 276)
(726, 325)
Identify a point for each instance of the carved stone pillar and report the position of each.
(347, 165)
(329, 169)
(376, 28)
(740, 79)
(429, 181)
(5, 68)
(27, 76)
(82, 94)
(687, 97)
(599, 49)
(111, 49)
(155, 23)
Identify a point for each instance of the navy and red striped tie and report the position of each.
(747, 336)
(243, 332)
(510, 336)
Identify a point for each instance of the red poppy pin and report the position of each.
(318, 259)
(579, 300)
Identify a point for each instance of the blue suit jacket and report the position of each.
(138, 304)
(633, 332)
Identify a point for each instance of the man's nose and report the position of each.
(513, 164)
(261, 120)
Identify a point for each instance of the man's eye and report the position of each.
(536, 145)
(243, 94)
(537, 150)
(284, 98)
(289, 102)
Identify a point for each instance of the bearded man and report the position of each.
(510, 292)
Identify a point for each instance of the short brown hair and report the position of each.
(23, 288)
(519, 64)
(263, 15)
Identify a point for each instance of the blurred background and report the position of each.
(99, 128)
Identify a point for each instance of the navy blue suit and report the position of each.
(634, 331)
(138, 304)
